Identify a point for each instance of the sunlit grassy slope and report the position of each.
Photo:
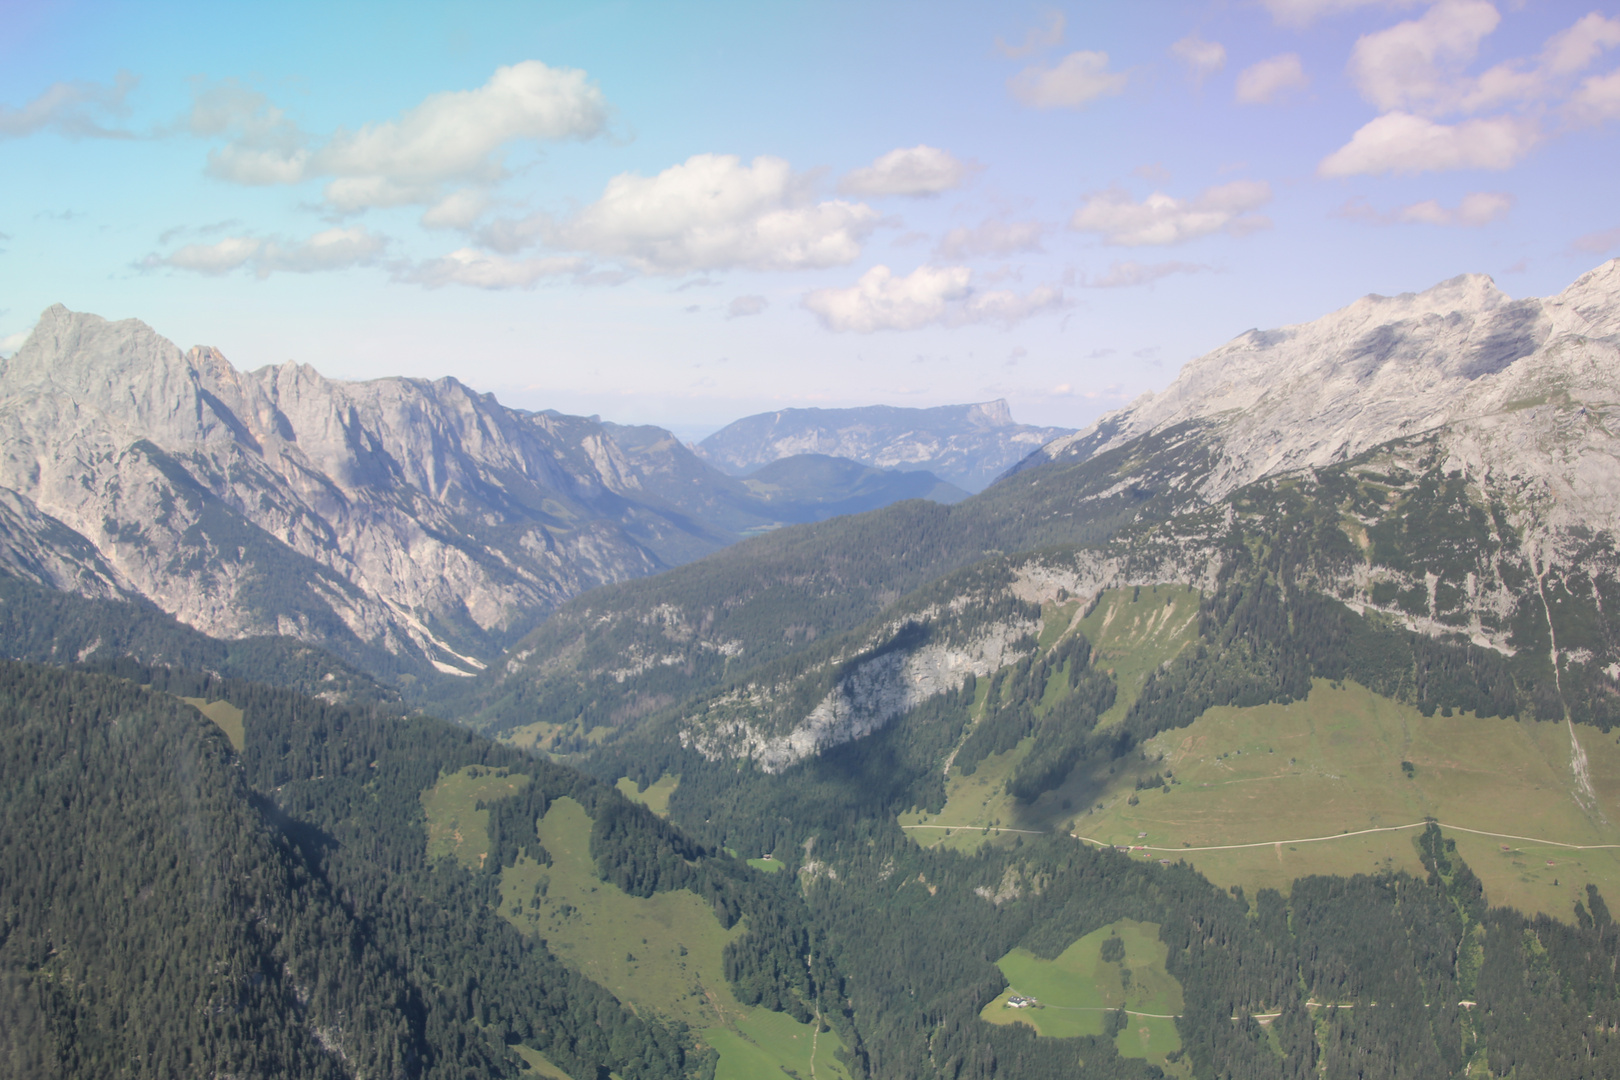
(1132, 631)
(1327, 766)
(1075, 989)
(227, 717)
(1332, 764)
(661, 953)
(655, 797)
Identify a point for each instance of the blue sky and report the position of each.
(682, 214)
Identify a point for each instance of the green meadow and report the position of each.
(655, 796)
(1075, 990)
(661, 953)
(1133, 631)
(1332, 766)
(227, 717)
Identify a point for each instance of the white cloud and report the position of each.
(1402, 143)
(927, 296)
(1128, 274)
(221, 258)
(712, 212)
(1415, 72)
(453, 135)
(481, 270)
(350, 193)
(1415, 66)
(1597, 100)
(1078, 79)
(333, 249)
(1161, 219)
(69, 108)
(12, 342)
(1035, 40)
(1476, 209)
(992, 237)
(1473, 210)
(1264, 82)
(457, 210)
(743, 306)
(1301, 13)
(1203, 58)
(1597, 243)
(457, 133)
(917, 170)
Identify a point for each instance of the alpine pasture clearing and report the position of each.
(1332, 765)
(455, 825)
(227, 717)
(655, 796)
(1133, 631)
(661, 953)
(1076, 989)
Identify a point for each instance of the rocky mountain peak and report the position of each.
(1383, 368)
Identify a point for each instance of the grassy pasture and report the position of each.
(770, 866)
(1332, 765)
(539, 1064)
(655, 796)
(661, 953)
(1132, 631)
(227, 717)
(1076, 987)
(455, 826)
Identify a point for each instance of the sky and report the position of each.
(685, 214)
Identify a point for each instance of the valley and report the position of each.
(1239, 753)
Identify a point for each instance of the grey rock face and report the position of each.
(404, 522)
(1526, 393)
(966, 445)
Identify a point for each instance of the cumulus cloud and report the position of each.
(1416, 73)
(1077, 80)
(712, 212)
(457, 210)
(1264, 82)
(1122, 275)
(333, 249)
(918, 170)
(1035, 40)
(1402, 143)
(1597, 100)
(743, 306)
(449, 136)
(1415, 65)
(1301, 13)
(993, 237)
(1473, 210)
(1161, 219)
(481, 270)
(927, 296)
(71, 108)
(1203, 58)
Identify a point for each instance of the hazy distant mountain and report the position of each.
(966, 445)
(815, 487)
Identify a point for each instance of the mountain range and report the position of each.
(966, 445)
(411, 526)
(1265, 728)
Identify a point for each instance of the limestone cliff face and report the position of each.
(1524, 393)
(405, 522)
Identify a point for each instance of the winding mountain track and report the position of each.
(1346, 836)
